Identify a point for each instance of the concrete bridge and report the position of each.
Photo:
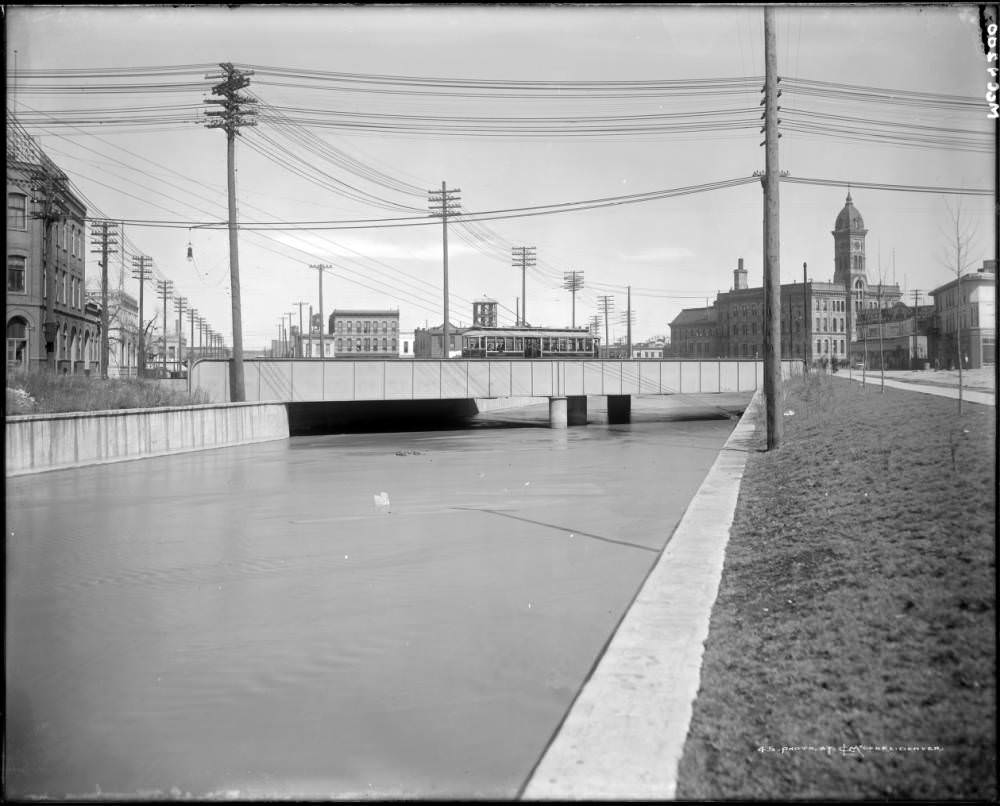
(565, 382)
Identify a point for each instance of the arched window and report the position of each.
(340, 345)
(367, 327)
(818, 346)
(385, 326)
(357, 326)
(349, 324)
(385, 344)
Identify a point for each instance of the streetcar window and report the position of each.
(518, 344)
(508, 343)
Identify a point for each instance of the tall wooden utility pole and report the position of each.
(180, 302)
(442, 202)
(573, 282)
(607, 304)
(523, 256)
(105, 235)
(237, 111)
(192, 315)
(320, 267)
(142, 270)
(772, 270)
(300, 304)
(166, 287)
(628, 330)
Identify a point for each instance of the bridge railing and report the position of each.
(307, 380)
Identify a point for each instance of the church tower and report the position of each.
(849, 259)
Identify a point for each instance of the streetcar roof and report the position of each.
(534, 331)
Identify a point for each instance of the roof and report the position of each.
(695, 316)
(364, 312)
(849, 218)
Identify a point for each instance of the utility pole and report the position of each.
(237, 111)
(628, 331)
(573, 282)
(523, 256)
(166, 287)
(289, 349)
(772, 270)
(300, 304)
(49, 188)
(517, 311)
(864, 319)
(142, 270)
(606, 304)
(321, 267)
(913, 360)
(442, 202)
(180, 302)
(104, 233)
(191, 317)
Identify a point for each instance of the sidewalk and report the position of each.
(977, 384)
(624, 734)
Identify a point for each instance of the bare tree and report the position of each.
(958, 258)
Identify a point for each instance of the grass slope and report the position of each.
(47, 392)
(856, 609)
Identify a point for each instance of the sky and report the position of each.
(673, 252)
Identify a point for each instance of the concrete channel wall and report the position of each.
(40, 442)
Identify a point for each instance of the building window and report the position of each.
(340, 345)
(367, 327)
(17, 341)
(357, 345)
(17, 211)
(406, 348)
(15, 273)
(393, 325)
(340, 327)
(818, 346)
(385, 345)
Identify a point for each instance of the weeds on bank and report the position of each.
(46, 393)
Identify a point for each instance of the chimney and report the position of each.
(739, 276)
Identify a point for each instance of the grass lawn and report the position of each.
(856, 610)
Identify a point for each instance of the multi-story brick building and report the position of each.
(817, 318)
(47, 319)
(364, 333)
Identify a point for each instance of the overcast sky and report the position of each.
(675, 252)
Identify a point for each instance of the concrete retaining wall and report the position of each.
(40, 442)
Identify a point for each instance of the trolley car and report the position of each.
(529, 342)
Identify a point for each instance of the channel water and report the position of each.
(400, 614)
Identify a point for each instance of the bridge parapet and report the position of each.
(320, 380)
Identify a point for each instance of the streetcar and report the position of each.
(530, 342)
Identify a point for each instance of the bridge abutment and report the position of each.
(557, 412)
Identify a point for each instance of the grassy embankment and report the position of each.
(857, 608)
(43, 393)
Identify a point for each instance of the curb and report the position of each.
(624, 734)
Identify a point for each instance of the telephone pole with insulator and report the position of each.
(443, 203)
(237, 110)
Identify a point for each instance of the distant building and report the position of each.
(123, 331)
(898, 337)
(650, 349)
(818, 320)
(428, 342)
(365, 333)
(406, 339)
(965, 319)
(484, 312)
(46, 270)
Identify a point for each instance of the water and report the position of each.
(251, 622)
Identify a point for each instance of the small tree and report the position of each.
(958, 259)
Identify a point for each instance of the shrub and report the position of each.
(45, 392)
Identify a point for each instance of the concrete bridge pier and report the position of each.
(619, 409)
(567, 411)
(557, 412)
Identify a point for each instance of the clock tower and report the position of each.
(849, 259)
